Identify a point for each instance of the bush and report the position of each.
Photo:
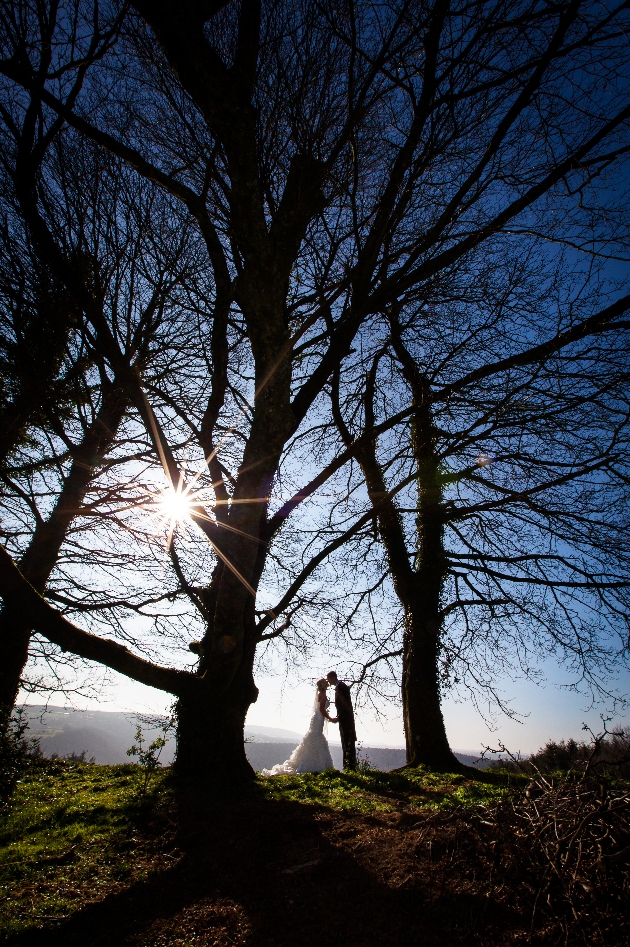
(17, 752)
(364, 763)
(607, 754)
(149, 756)
(73, 757)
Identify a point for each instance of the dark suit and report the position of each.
(347, 732)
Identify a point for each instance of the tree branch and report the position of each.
(21, 596)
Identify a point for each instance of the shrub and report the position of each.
(607, 754)
(17, 752)
(75, 757)
(149, 756)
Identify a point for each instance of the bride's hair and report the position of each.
(322, 684)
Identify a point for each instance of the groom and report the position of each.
(345, 718)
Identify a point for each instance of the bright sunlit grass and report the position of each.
(372, 790)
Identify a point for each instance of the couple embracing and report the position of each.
(313, 753)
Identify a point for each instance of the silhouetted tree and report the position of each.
(502, 500)
(340, 162)
(67, 202)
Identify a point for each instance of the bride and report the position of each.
(313, 754)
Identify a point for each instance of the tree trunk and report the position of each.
(15, 636)
(210, 731)
(425, 733)
(210, 740)
(419, 592)
(419, 589)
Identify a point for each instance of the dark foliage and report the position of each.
(611, 756)
(73, 757)
(606, 755)
(17, 751)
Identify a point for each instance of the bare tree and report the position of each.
(32, 357)
(502, 501)
(65, 416)
(338, 162)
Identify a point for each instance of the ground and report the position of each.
(89, 857)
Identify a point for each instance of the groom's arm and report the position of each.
(342, 698)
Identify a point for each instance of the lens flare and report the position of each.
(174, 507)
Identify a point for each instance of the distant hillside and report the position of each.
(106, 736)
(271, 735)
(102, 734)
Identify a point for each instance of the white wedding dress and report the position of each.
(313, 753)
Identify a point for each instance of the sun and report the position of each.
(174, 507)
(173, 511)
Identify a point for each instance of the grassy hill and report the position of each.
(89, 858)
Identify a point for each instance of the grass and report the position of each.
(373, 791)
(83, 850)
(71, 834)
(77, 831)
